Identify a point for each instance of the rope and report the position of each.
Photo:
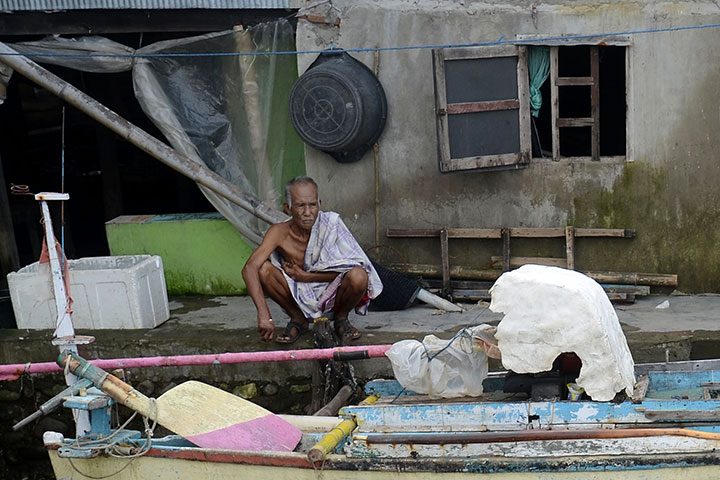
(499, 41)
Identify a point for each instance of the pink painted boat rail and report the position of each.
(14, 371)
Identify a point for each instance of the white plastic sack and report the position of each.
(456, 371)
(551, 310)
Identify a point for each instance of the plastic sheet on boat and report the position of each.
(551, 310)
(442, 368)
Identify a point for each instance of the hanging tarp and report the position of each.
(226, 111)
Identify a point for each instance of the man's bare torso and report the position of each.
(291, 246)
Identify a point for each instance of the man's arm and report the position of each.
(251, 275)
(299, 275)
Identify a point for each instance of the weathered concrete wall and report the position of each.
(668, 192)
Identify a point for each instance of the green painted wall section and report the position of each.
(202, 254)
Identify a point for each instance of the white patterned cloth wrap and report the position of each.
(331, 248)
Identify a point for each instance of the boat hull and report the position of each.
(191, 464)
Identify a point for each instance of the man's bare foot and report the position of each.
(294, 330)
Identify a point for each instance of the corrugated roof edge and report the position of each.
(49, 5)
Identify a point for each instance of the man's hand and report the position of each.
(295, 272)
(266, 328)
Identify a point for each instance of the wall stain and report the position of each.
(672, 235)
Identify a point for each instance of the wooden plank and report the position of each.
(463, 53)
(523, 80)
(640, 390)
(412, 233)
(487, 161)
(478, 233)
(441, 121)
(435, 271)
(654, 279)
(474, 107)
(641, 290)
(605, 232)
(515, 262)
(575, 122)
(506, 250)
(537, 232)
(575, 81)
(570, 247)
(579, 232)
(471, 273)
(541, 39)
(445, 258)
(523, 232)
(554, 104)
(683, 415)
(617, 296)
(595, 103)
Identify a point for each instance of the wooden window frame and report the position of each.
(594, 82)
(521, 103)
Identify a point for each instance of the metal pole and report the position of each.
(138, 137)
(341, 354)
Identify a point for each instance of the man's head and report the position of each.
(301, 201)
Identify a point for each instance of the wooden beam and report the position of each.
(654, 279)
(474, 107)
(570, 247)
(641, 290)
(478, 233)
(441, 121)
(575, 122)
(575, 81)
(515, 262)
(445, 258)
(506, 249)
(554, 103)
(522, 232)
(472, 273)
(640, 390)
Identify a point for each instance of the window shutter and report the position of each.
(482, 107)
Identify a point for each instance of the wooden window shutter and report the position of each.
(482, 107)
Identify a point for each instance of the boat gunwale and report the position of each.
(485, 464)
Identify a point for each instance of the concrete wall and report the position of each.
(667, 192)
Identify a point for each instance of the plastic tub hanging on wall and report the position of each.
(338, 106)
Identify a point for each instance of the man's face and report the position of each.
(305, 205)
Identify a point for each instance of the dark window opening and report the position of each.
(574, 102)
(105, 175)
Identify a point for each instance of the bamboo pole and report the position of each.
(137, 136)
(342, 354)
(328, 443)
(530, 436)
(470, 273)
(338, 401)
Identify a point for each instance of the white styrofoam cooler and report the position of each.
(125, 291)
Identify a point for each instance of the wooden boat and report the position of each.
(670, 430)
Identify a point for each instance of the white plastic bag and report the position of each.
(443, 368)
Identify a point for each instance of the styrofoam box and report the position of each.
(125, 291)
